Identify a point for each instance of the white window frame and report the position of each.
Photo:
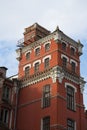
(36, 62)
(62, 55)
(48, 56)
(71, 60)
(28, 65)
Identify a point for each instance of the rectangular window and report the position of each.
(28, 56)
(47, 47)
(37, 51)
(63, 46)
(36, 69)
(46, 96)
(64, 62)
(46, 123)
(70, 98)
(73, 67)
(46, 63)
(27, 69)
(6, 93)
(72, 51)
(4, 116)
(70, 124)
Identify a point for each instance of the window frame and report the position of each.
(36, 67)
(46, 96)
(4, 115)
(64, 46)
(72, 125)
(27, 71)
(28, 55)
(64, 62)
(37, 51)
(70, 98)
(47, 47)
(6, 93)
(47, 63)
(46, 123)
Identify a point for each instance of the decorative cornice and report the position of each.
(55, 73)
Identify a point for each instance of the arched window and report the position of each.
(28, 56)
(36, 67)
(64, 46)
(27, 71)
(47, 47)
(72, 51)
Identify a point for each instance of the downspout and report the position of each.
(16, 84)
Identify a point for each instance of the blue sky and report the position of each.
(15, 15)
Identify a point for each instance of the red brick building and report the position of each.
(49, 90)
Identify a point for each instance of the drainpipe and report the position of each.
(17, 85)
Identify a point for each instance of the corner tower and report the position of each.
(51, 92)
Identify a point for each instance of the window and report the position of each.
(70, 124)
(36, 67)
(28, 56)
(73, 66)
(6, 93)
(63, 46)
(46, 63)
(72, 51)
(47, 47)
(70, 98)
(46, 96)
(64, 62)
(27, 71)
(46, 123)
(37, 51)
(4, 116)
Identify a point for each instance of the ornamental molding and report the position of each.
(55, 73)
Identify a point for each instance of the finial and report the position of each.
(57, 28)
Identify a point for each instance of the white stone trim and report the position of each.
(62, 55)
(71, 60)
(26, 66)
(27, 52)
(36, 62)
(49, 42)
(37, 47)
(48, 56)
(73, 47)
(68, 84)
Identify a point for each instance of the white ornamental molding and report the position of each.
(56, 74)
(62, 55)
(28, 65)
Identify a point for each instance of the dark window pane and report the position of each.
(47, 63)
(73, 67)
(27, 71)
(70, 98)
(64, 62)
(47, 47)
(72, 51)
(64, 46)
(28, 56)
(37, 51)
(46, 96)
(46, 123)
(36, 67)
(70, 124)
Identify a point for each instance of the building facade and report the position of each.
(48, 94)
(51, 93)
